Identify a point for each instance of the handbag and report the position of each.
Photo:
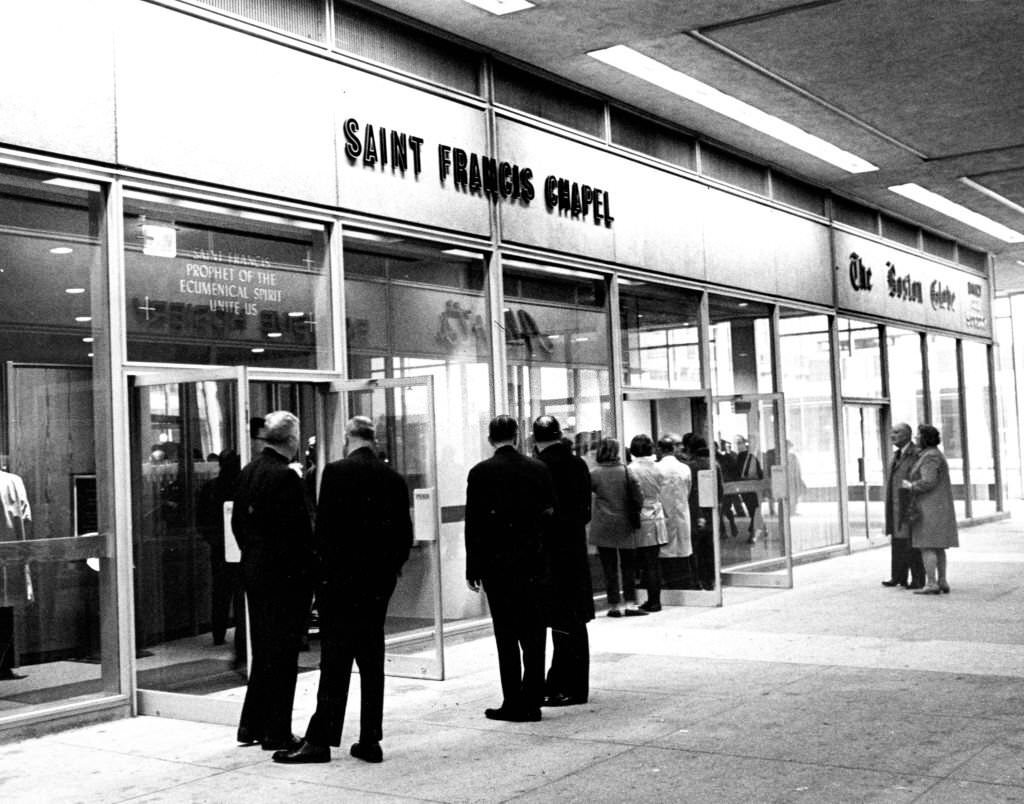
(910, 507)
(632, 505)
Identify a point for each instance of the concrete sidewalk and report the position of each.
(838, 690)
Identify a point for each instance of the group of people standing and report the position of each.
(919, 515)
(526, 548)
(350, 558)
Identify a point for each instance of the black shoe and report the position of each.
(649, 607)
(368, 752)
(303, 753)
(614, 613)
(513, 715)
(915, 586)
(246, 737)
(639, 612)
(561, 699)
(892, 583)
(10, 675)
(944, 587)
(289, 743)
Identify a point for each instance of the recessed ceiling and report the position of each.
(928, 90)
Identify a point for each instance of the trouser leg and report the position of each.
(900, 560)
(628, 559)
(610, 567)
(941, 566)
(916, 564)
(931, 560)
(326, 725)
(648, 557)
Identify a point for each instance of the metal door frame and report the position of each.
(398, 664)
(883, 409)
(744, 574)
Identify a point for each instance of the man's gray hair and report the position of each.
(280, 426)
(361, 427)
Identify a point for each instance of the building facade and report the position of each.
(209, 211)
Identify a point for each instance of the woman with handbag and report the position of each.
(931, 514)
(616, 513)
(653, 531)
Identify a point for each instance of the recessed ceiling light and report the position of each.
(74, 291)
(296, 314)
(90, 354)
(257, 350)
(458, 252)
(87, 340)
(61, 250)
(917, 193)
(351, 234)
(273, 334)
(500, 7)
(83, 319)
(685, 86)
(743, 304)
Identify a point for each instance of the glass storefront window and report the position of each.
(979, 428)
(412, 309)
(211, 285)
(945, 394)
(57, 632)
(906, 384)
(860, 358)
(660, 336)
(741, 347)
(807, 387)
(1007, 311)
(558, 350)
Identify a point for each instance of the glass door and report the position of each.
(754, 516)
(865, 471)
(402, 410)
(685, 581)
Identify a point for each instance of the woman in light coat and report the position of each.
(610, 529)
(935, 528)
(652, 532)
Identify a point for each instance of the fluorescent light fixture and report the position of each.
(458, 252)
(274, 334)
(74, 291)
(547, 269)
(1020, 262)
(61, 250)
(87, 340)
(685, 86)
(83, 319)
(501, 7)
(370, 237)
(73, 184)
(917, 193)
(296, 314)
(1002, 199)
(257, 350)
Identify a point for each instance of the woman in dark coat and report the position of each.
(935, 528)
(610, 529)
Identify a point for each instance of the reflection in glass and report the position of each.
(416, 309)
(57, 639)
(945, 398)
(812, 483)
(867, 455)
(979, 428)
(740, 347)
(860, 358)
(906, 383)
(660, 337)
(1005, 310)
(211, 285)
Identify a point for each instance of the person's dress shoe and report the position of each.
(891, 583)
(513, 715)
(614, 613)
(561, 699)
(10, 675)
(289, 743)
(915, 586)
(634, 613)
(928, 590)
(649, 607)
(303, 753)
(246, 737)
(944, 587)
(368, 752)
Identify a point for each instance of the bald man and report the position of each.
(905, 559)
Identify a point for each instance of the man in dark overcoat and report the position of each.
(363, 534)
(572, 593)
(905, 558)
(271, 522)
(508, 498)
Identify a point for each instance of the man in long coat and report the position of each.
(271, 522)
(363, 534)
(905, 558)
(572, 603)
(508, 498)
